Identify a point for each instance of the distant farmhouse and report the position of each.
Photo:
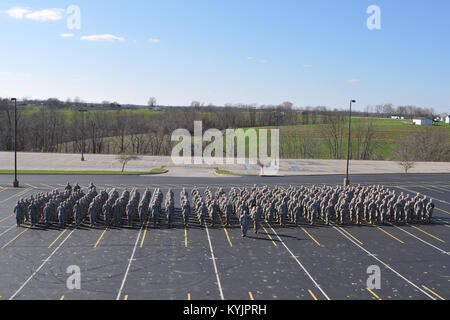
(398, 117)
(443, 118)
(423, 122)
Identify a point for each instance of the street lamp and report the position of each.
(346, 180)
(15, 182)
(82, 133)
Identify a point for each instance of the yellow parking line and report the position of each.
(317, 242)
(126, 297)
(251, 295)
(226, 232)
(350, 235)
(433, 292)
(60, 235)
(445, 211)
(228, 237)
(312, 294)
(101, 237)
(189, 296)
(62, 298)
(185, 237)
(374, 294)
(30, 185)
(392, 236)
(270, 237)
(17, 236)
(427, 233)
(145, 233)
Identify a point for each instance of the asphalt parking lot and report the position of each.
(296, 262)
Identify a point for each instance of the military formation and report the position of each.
(316, 204)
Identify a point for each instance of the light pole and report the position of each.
(346, 180)
(15, 182)
(82, 133)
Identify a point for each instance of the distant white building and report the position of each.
(447, 119)
(423, 122)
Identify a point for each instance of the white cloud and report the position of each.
(54, 14)
(17, 12)
(103, 38)
(155, 40)
(306, 65)
(353, 81)
(4, 73)
(66, 35)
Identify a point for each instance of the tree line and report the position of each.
(115, 130)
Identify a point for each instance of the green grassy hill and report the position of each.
(387, 133)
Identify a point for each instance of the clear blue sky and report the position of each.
(234, 51)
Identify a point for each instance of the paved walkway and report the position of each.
(71, 162)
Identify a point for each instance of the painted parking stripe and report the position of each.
(214, 263)
(132, 256)
(373, 293)
(300, 264)
(7, 230)
(428, 234)
(251, 295)
(433, 292)
(430, 188)
(439, 189)
(270, 237)
(391, 235)
(42, 265)
(226, 232)
(350, 235)
(312, 295)
(16, 237)
(21, 193)
(420, 239)
(412, 191)
(51, 245)
(383, 263)
(445, 211)
(145, 234)
(101, 237)
(309, 235)
(129, 264)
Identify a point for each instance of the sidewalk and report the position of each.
(100, 162)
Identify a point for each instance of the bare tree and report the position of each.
(404, 153)
(152, 102)
(125, 158)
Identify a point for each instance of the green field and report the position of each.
(296, 141)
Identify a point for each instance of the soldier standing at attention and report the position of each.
(18, 210)
(245, 221)
(257, 213)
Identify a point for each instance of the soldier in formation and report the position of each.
(340, 205)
